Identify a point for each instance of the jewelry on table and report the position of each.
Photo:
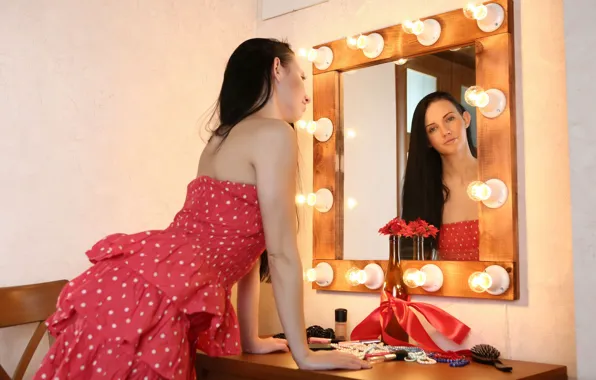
(453, 359)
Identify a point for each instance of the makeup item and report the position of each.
(320, 347)
(386, 357)
(355, 342)
(341, 324)
(314, 339)
(487, 354)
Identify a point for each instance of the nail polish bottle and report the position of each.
(341, 321)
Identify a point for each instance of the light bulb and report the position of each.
(372, 45)
(300, 199)
(476, 97)
(362, 41)
(321, 57)
(475, 12)
(311, 199)
(480, 282)
(350, 133)
(489, 17)
(352, 203)
(311, 127)
(478, 191)
(371, 276)
(414, 278)
(401, 61)
(302, 52)
(353, 277)
(352, 42)
(415, 27)
(322, 274)
(301, 124)
(492, 193)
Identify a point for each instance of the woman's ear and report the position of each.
(276, 69)
(467, 118)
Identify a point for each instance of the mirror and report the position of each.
(378, 107)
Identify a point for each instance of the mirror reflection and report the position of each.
(410, 149)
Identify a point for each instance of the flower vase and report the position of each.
(394, 286)
(418, 248)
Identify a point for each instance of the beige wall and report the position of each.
(540, 326)
(99, 110)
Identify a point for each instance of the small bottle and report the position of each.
(341, 321)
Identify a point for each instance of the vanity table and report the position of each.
(281, 366)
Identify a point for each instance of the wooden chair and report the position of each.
(25, 304)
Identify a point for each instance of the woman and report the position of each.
(152, 298)
(441, 164)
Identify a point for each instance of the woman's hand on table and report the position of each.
(327, 360)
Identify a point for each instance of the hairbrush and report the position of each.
(487, 354)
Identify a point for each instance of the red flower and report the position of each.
(431, 231)
(394, 227)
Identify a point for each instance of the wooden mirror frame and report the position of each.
(496, 151)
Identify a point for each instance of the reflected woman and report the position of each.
(441, 164)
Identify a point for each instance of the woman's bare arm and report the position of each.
(275, 161)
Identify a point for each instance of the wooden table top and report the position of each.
(282, 366)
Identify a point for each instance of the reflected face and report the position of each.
(290, 90)
(446, 127)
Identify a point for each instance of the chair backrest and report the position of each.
(20, 305)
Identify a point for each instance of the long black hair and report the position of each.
(247, 87)
(424, 192)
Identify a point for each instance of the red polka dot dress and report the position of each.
(152, 298)
(459, 241)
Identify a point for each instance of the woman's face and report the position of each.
(446, 128)
(289, 90)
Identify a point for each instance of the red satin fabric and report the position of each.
(376, 323)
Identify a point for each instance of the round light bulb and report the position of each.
(311, 275)
(352, 42)
(401, 61)
(415, 27)
(311, 127)
(302, 52)
(414, 278)
(475, 12)
(361, 277)
(352, 203)
(477, 97)
(300, 199)
(311, 199)
(350, 133)
(479, 191)
(353, 276)
(301, 124)
(362, 42)
(479, 282)
(312, 55)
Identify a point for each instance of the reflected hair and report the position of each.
(424, 193)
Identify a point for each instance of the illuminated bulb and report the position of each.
(494, 280)
(352, 203)
(492, 193)
(429, 278)
(371, 276)
(350, 133)
(488, 17)
(301, 124)
(491, 103)
(372, 45)
(322, 129)
(479, 282)
(427, 32)
(414, 278)
(352, 42)
(303, 53)
(322, 274)
(415, 27)
(321, 57)
(475, 12)
(401, 61)
(322, 200)
(311, 127)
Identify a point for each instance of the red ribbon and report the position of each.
(376, 323)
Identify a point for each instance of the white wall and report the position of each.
(100, 107)
(370, 110)
(538, 327)
(580, 53)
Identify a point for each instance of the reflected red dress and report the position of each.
(152, 298)
(459, 241)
